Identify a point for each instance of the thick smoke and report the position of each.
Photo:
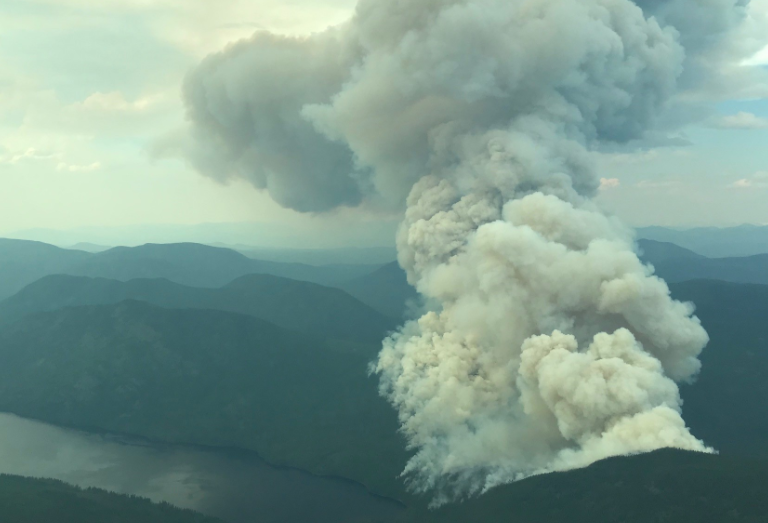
(548, 344)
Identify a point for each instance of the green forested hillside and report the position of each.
(728, 404)
(316, 310)
(667, 486)
(205, 377)
(27, 500)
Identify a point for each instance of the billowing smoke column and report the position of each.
(548, 345)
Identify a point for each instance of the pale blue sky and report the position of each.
(87, 86)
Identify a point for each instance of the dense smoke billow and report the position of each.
(548, 344)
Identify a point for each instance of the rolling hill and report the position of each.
(28, 500)
(313, 309)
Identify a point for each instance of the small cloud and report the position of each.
(115, 102)
(759, 180)
(71, 168)
(741, 184)
(740, 120)
(759, 58)
(29, 155)
(609, 183)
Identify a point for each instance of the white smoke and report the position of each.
(488, 389)
(549, 344)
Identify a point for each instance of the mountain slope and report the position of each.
(204, 377)
(675, 264)
(301, 306)
(27, 500)
(728, 404)
(656, 252)
(386, 290)
(744, 240)
(22, 262)
(665, 486)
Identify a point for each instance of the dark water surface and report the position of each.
(235, 486)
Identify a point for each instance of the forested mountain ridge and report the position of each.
(664, 486)
(306, 307)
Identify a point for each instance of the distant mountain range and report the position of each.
(295, 305)
(88, 247)
(347, 256)
(676, 264)
(302, 233)
(744, 240)
(383, 288)
(23, 262)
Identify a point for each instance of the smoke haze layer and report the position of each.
(547, 345)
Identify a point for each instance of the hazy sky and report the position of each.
(88, 86)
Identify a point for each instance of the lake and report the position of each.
(238, 487)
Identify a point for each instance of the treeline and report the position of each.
(28, 500)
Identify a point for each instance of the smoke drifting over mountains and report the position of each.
(550, 345)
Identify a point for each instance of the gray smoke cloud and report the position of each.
(246, 106)
(548, 345)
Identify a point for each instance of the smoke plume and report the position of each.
(548, 344)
